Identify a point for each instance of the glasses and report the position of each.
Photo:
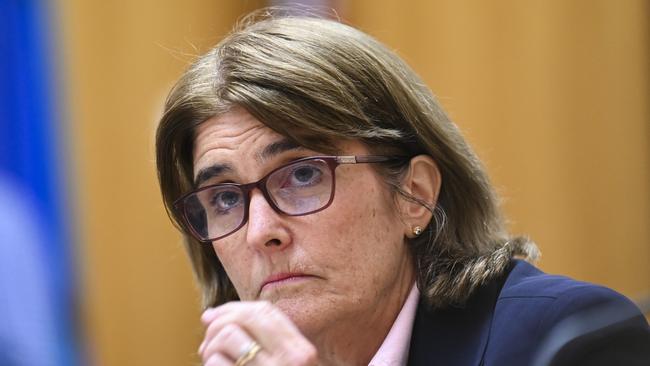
(302, 187)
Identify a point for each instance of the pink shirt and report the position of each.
(395, 349)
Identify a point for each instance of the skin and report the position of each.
(357, 270)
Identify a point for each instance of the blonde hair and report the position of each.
(318, 81)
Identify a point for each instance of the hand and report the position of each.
(233, 327)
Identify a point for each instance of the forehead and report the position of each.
(235, 141)
(228, 134)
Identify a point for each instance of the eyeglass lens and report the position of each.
(296, 189)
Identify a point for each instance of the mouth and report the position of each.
(285, 278)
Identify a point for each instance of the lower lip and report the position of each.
(284, 281)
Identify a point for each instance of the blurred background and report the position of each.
(554, 96)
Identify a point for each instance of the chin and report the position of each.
(308, 314)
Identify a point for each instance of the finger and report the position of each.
(270, 327)
(218, 360)
(231, 341)
(264, 322)
(207, 316)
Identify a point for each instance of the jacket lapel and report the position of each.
(454, 335)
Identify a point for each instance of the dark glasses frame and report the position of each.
(332, 163)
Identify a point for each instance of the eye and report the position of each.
(223, 201)
(304, 175)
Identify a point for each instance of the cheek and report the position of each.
(236, 264)
(370, 213)
(360, 223)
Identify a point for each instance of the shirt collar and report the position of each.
(394, 350)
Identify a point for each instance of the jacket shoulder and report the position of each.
(532, 303)
(556, 296)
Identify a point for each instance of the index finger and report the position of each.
(268, 325)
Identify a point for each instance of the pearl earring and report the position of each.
(417, 231)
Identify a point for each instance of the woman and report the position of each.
(334, 215)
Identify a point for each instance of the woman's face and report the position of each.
(347, 263)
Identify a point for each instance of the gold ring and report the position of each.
(248, 354)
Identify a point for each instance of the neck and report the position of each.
(355, 341)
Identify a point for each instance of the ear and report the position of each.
(423, 182)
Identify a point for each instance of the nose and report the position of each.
(266, 228)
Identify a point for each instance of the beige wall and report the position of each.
(122, 57)
(553, 95)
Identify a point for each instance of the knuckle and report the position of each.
(265, 307)
(227, 332)
(211, 329)
(267, 315)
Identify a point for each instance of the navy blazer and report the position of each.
(508, 320)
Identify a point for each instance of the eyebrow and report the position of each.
(210, 172)
(269, 151)
(277, 148)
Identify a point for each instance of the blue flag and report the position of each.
(37, 292)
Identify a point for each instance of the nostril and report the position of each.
(273, 242)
